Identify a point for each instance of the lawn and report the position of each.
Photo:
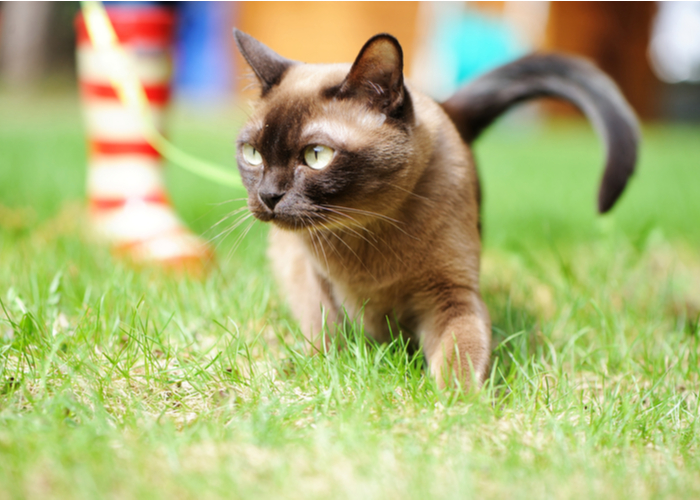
(117, 382)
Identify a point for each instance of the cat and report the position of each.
(373, 194)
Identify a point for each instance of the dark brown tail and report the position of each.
(479, 103)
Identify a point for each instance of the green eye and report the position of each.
(251, 155)
(318, 156)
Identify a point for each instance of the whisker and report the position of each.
(228, 216)
(375, 237)
(366, 212)
(359, 235)
(238, 219)
(223, 234)
(320, 245)
(323, 235)
(419, 196)
(320, 234)
(225, 202)
(354, 253)
(356, 223)
(240, 239)
(380, 240)
(393, 222)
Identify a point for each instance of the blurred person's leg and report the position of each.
(128, 198)
(23, 34)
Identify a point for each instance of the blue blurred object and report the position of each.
(462, 43)
(478, 43)
(203, 60)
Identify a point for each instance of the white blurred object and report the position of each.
(529, 19)
(675, 45)
(128, 196)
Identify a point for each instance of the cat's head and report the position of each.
(327, 144)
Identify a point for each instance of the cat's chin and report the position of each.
(295, 224)
(308, 226)
(290, 224)
(286, 222)
(299, 219)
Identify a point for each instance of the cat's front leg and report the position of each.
(309, 296)
(457, 339)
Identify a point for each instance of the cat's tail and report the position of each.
(480, 102)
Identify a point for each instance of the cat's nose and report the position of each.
(270, 198)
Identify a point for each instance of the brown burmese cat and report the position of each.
(373, 193)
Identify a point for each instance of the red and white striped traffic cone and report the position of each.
(128, 199)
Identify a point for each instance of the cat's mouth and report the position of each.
(290, 221)
(298, 220)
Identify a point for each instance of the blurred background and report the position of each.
(651, 49)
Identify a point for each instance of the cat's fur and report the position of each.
(389, 232)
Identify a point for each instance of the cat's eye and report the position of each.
(251, 155)
(317, 156)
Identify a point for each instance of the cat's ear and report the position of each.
(377, 73)
(267, 64)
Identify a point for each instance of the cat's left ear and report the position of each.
(377, 74)
(267, 64)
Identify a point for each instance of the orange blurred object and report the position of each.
(328, 32)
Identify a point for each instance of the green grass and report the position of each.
(120, 383)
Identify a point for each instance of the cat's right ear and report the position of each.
(267, 64)
(377, 74)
